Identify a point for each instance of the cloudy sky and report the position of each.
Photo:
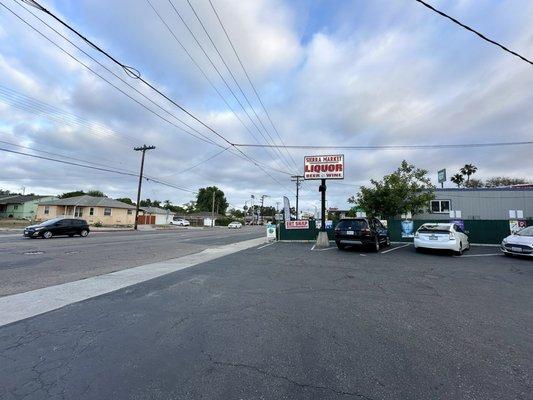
(361, 72)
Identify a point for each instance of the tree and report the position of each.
(126, 200)
(458, 179)
(498, 181)
(236, 213)
(468, 169)
(72, 194)
(204, 200)
(5, 192)
(474, 183)
(156, 203)
(408, 189)
(96, 193)
(166, 204)
(145, 203)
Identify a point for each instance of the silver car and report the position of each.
(520, 243)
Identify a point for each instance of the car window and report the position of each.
(353, 224)
(434, 229)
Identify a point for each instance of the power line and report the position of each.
(195, 38)
(197, 164)
(235, 80)
(95, 168)
(203, 137)
(250, 80)
(132, 72)
(394, 147)
(474, 31)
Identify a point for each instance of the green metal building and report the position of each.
(21, 206)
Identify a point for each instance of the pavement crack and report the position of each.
(289, 380)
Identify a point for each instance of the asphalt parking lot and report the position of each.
(284, 322)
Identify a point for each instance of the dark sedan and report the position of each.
(368, 232)
(58, 227)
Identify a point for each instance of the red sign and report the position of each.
(300, 224)
(324, 167)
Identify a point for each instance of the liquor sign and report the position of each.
(298, 224)
(324, 167)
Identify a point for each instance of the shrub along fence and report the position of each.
(479, 231)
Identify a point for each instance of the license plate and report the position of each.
(517, 249)
(350, 232)
(433, 237)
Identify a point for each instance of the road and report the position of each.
(27, 264)
(284, 322)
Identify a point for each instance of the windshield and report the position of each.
(526, 231)
(50, 221)
(353, 224)
(436, 228)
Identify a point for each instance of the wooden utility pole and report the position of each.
(213, 210)
(296, 178)
(143, 149)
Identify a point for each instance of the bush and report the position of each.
(98, 224)
(226, 221)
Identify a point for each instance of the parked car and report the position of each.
(520, 243)
(441, 236)
(58, 227)
(180, 222)
(368, 232)
(235, 225)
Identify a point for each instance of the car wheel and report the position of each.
(460, 251)
(47, 235)
(468, 247)
(375, 246)
(507, 254)
(84, 232)
(387, 242)
(340, 246)
(70, 235)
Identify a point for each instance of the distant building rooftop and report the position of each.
(88, 201)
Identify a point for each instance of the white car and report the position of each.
(441, 236)
(180, 222)
(235, 225)
(521, 243)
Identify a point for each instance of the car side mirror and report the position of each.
(467, 232)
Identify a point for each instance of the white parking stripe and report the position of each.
(480, 255)
(266, 245)
(327, 248)
(395, 248)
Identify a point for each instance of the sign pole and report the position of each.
(322, 189)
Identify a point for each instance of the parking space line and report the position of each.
(312, 248)
(479, 255)
(266, 245)
(327, 248)
(395, 248)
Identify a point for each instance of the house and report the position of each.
(21, 206)
(480, 203)
(202, 218)
(155, 216)
(92, 209)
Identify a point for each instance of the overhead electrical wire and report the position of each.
(256, 92)
(134, 73)
(475, 32)
(197, 164)
(221, 76)
(235, 81)
(397, 147)
(203, 137)
(114, 171)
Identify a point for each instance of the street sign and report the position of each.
(442, 175)
(324, 167)
(298, 224)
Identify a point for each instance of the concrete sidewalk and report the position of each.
(28, 304)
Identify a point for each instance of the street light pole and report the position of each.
(143, 149)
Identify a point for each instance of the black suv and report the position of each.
(369, 232)
(58, 226)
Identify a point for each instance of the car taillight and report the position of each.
(452, 236)
(365, 231)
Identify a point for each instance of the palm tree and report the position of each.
(458, 179)
(468, 170)
(166, 204)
